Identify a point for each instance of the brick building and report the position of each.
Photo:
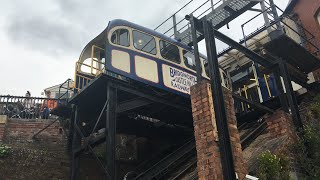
(307, 14)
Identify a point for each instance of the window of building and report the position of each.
(120, 37)
(144, 42)
(169, 51)
(206, 68)
(189, 59)
(318, 16)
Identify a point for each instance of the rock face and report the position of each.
(262, 144)
(35, 161)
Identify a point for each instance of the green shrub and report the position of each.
(272, 166)
(315, 108)
(4, 150)
(307, 149)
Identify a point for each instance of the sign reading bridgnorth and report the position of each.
(177, 79)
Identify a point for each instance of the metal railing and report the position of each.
(251, 92)
(98, 69)
(20, 107)
(68, 89)
(80, 80)
(181, 24)
(308, 40)
(95, 67)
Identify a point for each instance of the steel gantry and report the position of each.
(205, 29)
(104, 105)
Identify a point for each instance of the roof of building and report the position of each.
(56, 86)
(290, 6)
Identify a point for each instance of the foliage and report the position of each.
(4, 150)
(315, 108)
(307, 149)
(272, 166)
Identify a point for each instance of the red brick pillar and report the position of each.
(206, 136)
(279, 124)
(3, 122)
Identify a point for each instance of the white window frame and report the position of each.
(318, 17)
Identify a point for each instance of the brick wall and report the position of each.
(208, 154)
(24, 129)
(307, 11)
(2, 128)
(45, 158)
(280, 124)
(3, 122)
(240, 166)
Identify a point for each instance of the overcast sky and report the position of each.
(40, 41)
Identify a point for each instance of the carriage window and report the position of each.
(169, 51)
(144, 42)
(120, 37)
(189, 60)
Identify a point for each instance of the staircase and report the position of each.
(161, 168)
(182, 163)
(220, 16)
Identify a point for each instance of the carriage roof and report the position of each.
(101, 38)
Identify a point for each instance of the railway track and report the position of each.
(182, 163)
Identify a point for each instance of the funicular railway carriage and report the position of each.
(126, 53)
(143, 55)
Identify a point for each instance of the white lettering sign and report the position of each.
(177, 79)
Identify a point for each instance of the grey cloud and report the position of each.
(70, 25)
(42, 34)
(65, 26)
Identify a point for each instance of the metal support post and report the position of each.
(291, 96)
(111, 132)
(76, 143)
(244, 36)
(175, 31)
(252, 103)
(256, 73)
(282, 96)
(196, 48)
(265, 16)
(275, 14)
(71, 130)
(218, 102)
(247, 52)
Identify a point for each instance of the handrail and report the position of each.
(306, 40)
(256, 16)
(84, 78)
(92, 57)
(283, 24)
(23, 97)
(183, 7)
(267, 84)
(24, 107)
(83, 64)
(61, 87)
(46, 127)
(91, 65)
(173, 15)
(289, 17)
(197, 16)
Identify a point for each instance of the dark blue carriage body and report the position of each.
(175, 77)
